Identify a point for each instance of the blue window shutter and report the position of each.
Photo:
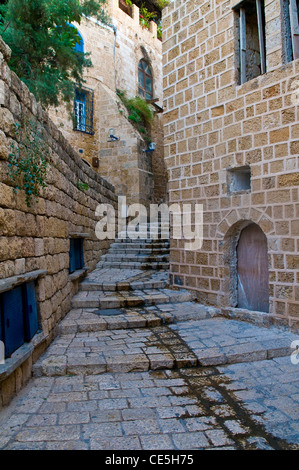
(80, 46)
(13, 321)
(81, 254)
(31, 321)
(1, 320)
(72, 256)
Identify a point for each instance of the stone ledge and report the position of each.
(260, 318)
(79, 235)
(20, 356)
(78, 274)
(11, 282)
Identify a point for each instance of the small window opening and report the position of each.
(76, 254)
(239, 179)
(252, 39)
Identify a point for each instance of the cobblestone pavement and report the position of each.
(240, 406)
(171, 375)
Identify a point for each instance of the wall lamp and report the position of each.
(151, 148)
(112, 136)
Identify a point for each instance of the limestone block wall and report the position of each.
(115, 54)
(37, 238)
(212, 125)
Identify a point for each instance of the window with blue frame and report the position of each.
(18, 317)
(80, 41)
(80, 44)
(83, 110)
(76, 254)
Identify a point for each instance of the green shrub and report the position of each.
(28, 160)
(140, 112)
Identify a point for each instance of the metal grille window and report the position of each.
(83, 110)
(290, 29)
(252, 39)
(145, 80)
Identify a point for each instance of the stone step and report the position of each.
(211, 342)
(137, 350)
(139, 251)
(219, 341)
(139, 244)
(133, 257)
(127, 299)
(92, 320)
(132, 265)
(140, 239)
(124, 280)
(121, 286)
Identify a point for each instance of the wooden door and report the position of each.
(252, 270)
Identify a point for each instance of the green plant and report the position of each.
(28, 160)
(159, 29)
(146, 16)
(82, 186)
(140, 112)
(161, 4)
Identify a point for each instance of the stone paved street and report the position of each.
(240, 406)
(168, 374)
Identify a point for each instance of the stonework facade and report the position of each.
(116, 51)
(232, 147)
(35, 241)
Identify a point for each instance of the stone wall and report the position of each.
(115, 54)
(213, 125)
(35, 241)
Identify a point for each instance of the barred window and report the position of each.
(145, 80)
(83, 110)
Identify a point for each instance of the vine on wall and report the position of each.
(28, 160)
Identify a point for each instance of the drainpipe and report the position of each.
(114, 51)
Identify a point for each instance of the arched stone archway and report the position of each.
(228, 235)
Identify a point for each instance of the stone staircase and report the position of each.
(138, 253)
(128, 291)
(125, 318)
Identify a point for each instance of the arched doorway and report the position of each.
(252, 270)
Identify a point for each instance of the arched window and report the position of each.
(145, 80)
(80, 45)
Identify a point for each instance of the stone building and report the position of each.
(126, 56)
(231, 143)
